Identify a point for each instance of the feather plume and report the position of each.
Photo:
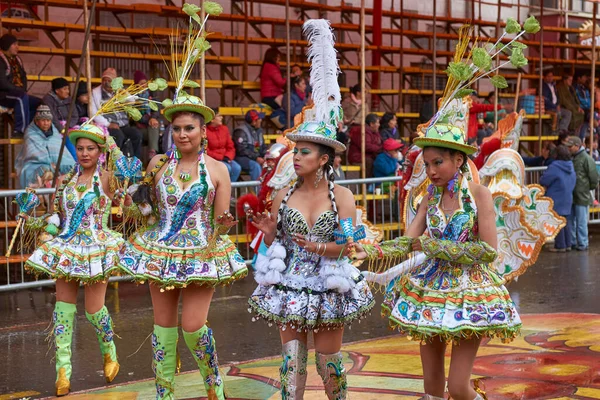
(324, 70)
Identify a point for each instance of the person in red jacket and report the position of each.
(220, 145)
(373, 144)
(272, 83)
(475, 109)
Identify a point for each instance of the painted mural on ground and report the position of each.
(556, 357)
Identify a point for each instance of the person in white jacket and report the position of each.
(116, 123)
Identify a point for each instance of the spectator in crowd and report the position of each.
(490, 117)
(548, 156)
(559, 181)
(295, 71)
(474, 115)
(352, 107)
(595, 153)
(272, 83)
(563, 137)
(597, 96)
(372, 144)
(116, 123)
(387, 162)
(568, 100)
(59, 101)
(426, 111)
(13, 84)
(220, 145)
(82, 100)
(552, 101)
(149, 125)
(250, 147)
(587, 180)
(582, 91)
(298, 97)
(388, 127)
(339, 173)
(39, 154)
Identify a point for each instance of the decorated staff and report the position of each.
(26, 201)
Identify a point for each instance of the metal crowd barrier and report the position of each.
(382, 210)
(532, 175)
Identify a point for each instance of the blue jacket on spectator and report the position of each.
(583, 94)
(385, 165)
(559, 180)
(297, 104)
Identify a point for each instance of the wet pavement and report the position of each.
(558, 283)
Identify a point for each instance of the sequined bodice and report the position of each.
(321, 231)
(85, 214)
(461, 226)
(185, 215)
(300, 262)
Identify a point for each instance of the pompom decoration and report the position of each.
(26, 201)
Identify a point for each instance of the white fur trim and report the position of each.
(276, 251)
(132, 189)
(272, 277)
(277, 265)
(53, 220)
(270, 267)
(145, 209)
(337, 275)
(262, 264)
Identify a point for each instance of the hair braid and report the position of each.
(278, 234)
(330, 182)
(61, 187)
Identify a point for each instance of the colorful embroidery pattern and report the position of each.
(86, 250)
(302, 298)
(174, 252)
(458, 298)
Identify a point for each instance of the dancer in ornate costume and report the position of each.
(305, 281)
(84, 251)
(450, 292)
(183, 249)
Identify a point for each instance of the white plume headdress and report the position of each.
(324, 70)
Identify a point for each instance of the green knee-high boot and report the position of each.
(202, 345)
(331, 369)
(164, 361)
(104, 331)
(64, 323)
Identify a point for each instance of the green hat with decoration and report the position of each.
(468, 66)
(190, 104)
(184, 56)
(445, 135)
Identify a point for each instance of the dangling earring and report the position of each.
(452, 186)
(319, 177)
(175, 152)
(203, 144)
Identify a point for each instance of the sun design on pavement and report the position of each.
(556, 357)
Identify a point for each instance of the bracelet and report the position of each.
(324, 249)
(318, 249)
